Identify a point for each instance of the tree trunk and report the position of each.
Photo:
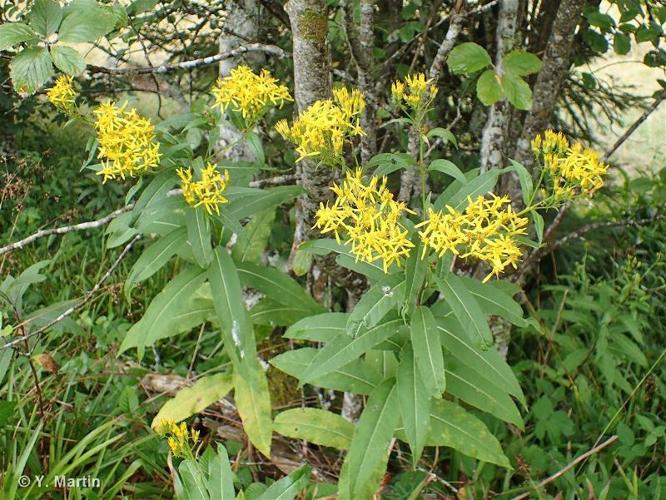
(361, 41)
(312, 82)
(556, 62)
(495, 132)
(240, 24)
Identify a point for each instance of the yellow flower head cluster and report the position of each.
(249, 94)
(485, 230)
(62, 95)
(178, 437)
(321, 130)
(416, 92)
(206, 192)
(573, 169)
(127, 145)
(369, 217)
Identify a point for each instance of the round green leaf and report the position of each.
(488, 88)
(467, 58)
(517, 91)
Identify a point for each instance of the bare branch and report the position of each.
(86, 298)
(65, 229)
(457, 18)
(635, 125)
(570, 466)
(204, 61)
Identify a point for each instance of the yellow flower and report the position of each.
(485, 230)
(417, 92)
(368, 216)
(572, 169)
(321, 130)
(127, 145)
(249, 94)
(206, 192)
(178, 437)
(62, 94)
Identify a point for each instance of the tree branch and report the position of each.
(186, 65)
(65, 229)
(86, 298)
(570, 466)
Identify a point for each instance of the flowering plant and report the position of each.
(417, 343)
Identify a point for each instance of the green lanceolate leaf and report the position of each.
(198, 236)
(477, 390)
(30, 69)
(155, 191)
(253, 402)
(465, 308)
(194, 483)
(525, 178)
(253, 241)
(488, 88)
(388, 163)
(468, 58)
(358, 376)
(220, 478)
(416, 269)
(278, 286)
(366, 460)
(478, 186)
(443, 133)
(192, 400)
(161, 312)
(320, 328)
(428, 350)
(413, 401)
(245, 206)
(495, 300)
(230, 307)
(288, 487)
(15, 33)
(488, 363)
(375, 304)
(271, 313)
(373, 270)
(154, 258)
(346, 349)
(449, 168)
(316, 426)
(452, 426)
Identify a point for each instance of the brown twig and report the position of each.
(569, 466)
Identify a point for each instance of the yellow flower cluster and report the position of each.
(249, 94)
(416, 92)
(321, 130)
(206, 192)
(127, 144)
(178, 437)
(485, 230)
(369, 217)
(62, 95)
(573, 169)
